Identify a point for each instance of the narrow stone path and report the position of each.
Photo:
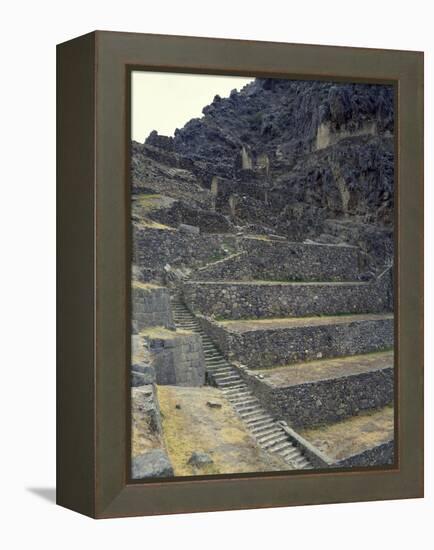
(264, 429)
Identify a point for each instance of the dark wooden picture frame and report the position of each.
(93, 76)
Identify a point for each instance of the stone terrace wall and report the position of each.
(150, 306)
(153, 248)
(261, 300)
(285, 262)
(178, 359)
(379, 455)
(207, 221)
(271, 347)
(324, 401)
(302, 261)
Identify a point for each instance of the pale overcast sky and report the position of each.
(166, 101)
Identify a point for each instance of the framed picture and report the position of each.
(240, 263)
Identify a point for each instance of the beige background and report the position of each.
(166, 101)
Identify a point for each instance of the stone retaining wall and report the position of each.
(150, 306)
(177, 359)
(155, 248)
(207, 221)
(326, 401)
(226, 300)
(284, 263)
(380, 455)
(270, 347)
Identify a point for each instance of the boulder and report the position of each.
(214, 404)
(185, 228)
(199, 459)
(154, 463)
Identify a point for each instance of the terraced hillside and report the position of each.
(262, 267)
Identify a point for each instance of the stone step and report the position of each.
(212, 358)
(302, 392)
(225, 370)
(255, 419)
(237, 394)
(263, 428)
(229, 383)
(269, 439)
(217, 364)
(247, 407)
(221, 368)
(258, 411)
(290, 452)
(226, 377)
(300, 463)
(278, 446)
(261, 420)
(222, 363)
(244, 401)
(273, 440)
(240, 389)
(223, 375)
(268, 299)
(282, 341)
(226, 373)
(185, 319)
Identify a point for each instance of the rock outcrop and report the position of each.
(281, 157)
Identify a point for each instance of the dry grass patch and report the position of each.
(145, 286)
(219, 432)
(354, 435)
(163, 333)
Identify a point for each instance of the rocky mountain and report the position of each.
(303, 160)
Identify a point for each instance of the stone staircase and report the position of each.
(265, 430)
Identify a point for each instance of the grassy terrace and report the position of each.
(163, 333)
(145, 286)
(246, 325)
(326, 369)
(258, 282)
(354, 435)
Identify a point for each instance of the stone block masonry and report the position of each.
(154, 248)
(176, 356)
(150, 306)
(265, 299)
(273, 342)
(383, 455)
(272, 260)
(327, 391)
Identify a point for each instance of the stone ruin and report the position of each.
(263, 254)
